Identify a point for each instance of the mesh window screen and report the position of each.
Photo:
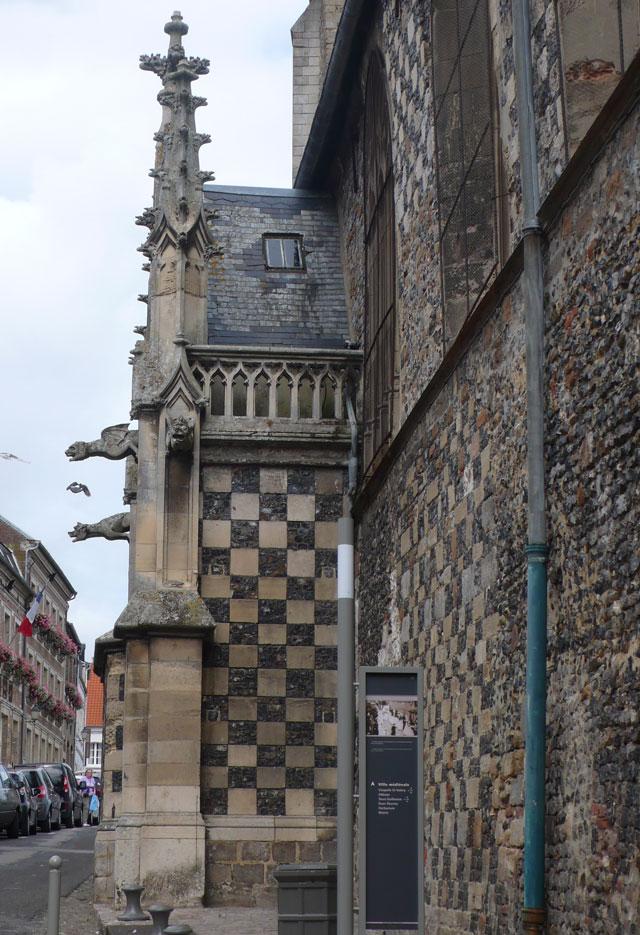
(463, 83)
(380, 260)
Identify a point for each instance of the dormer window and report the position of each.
(283, 251)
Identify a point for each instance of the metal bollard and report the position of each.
(178, 930)
(53, 909)
(133, 911)
(159, 917)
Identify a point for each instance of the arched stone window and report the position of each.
(380, 249)
(239, 394)
(469, 195)
(218, 384)
(261, 395)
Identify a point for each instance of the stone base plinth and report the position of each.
(164, 851)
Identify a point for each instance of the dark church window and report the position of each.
(467, 164)
(379, 362)
(239, 394)
(217, 394)
(282, 252)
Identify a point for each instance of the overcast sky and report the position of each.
(78, 118)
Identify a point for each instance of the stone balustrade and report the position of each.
(275, 391)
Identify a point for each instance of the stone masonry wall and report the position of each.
(269, 538)
(441, 564)
(593, 467)
(113, 680)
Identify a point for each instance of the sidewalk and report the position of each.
(232, 920)
(78, 916)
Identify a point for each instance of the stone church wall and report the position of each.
(269, 539)
(441, 535)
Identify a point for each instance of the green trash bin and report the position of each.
(306, 899)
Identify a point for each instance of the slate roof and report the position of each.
(251, 305)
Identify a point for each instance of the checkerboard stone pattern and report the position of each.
(268, 562)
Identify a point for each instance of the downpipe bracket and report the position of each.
(532, 921)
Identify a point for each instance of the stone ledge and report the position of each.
(165, 612)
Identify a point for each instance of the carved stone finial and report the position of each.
(175, 29)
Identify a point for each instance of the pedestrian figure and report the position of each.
(88, 791)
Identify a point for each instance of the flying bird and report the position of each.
(75, 487)
(9, 457)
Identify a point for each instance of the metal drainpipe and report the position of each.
(537, 549)
(346, 653)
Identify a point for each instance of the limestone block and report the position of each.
(243, 709)
(243, 656)
(301, 563)
(188, 703)
(173, 729)
(272, 534)
(273, 480)
(300, 612)
(165, 649)
(326, 535)
(215, 586)
(245, 506)
(216, 533)
(271, 733)
(301, 507)
(299, 756)
(242, 755)
(242, 802)
(272, 588)
(299, 802)
(243, 611)
(175, 676)
(165, 799)
(272, 633)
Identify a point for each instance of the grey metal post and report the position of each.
(345, 726)
(53, 909)
(537, 549)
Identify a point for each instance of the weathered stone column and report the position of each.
(159, 835)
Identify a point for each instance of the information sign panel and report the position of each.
(391, 733)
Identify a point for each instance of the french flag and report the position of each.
(25, 627)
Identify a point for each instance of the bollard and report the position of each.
(178, 930)
(159, 917)
(53, 910)
(133, 911)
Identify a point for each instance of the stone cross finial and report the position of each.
(176, 26)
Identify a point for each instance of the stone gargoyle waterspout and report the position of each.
(111, 527)
(115, 442)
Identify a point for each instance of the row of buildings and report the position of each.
(433, 333)
(44, 679)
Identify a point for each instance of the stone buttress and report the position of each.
(156, 833)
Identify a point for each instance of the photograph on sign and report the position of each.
(389, 716)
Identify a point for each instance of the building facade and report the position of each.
(465, 199)
(41, 676)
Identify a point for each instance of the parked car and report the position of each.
(28, 803)
(64, 782)
(9, 804)
(47, 797)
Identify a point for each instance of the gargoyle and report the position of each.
(111, 527)
(180, 433)
(115, 442)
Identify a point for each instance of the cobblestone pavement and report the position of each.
(234, 920)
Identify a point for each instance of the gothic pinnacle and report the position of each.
(178, 179)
